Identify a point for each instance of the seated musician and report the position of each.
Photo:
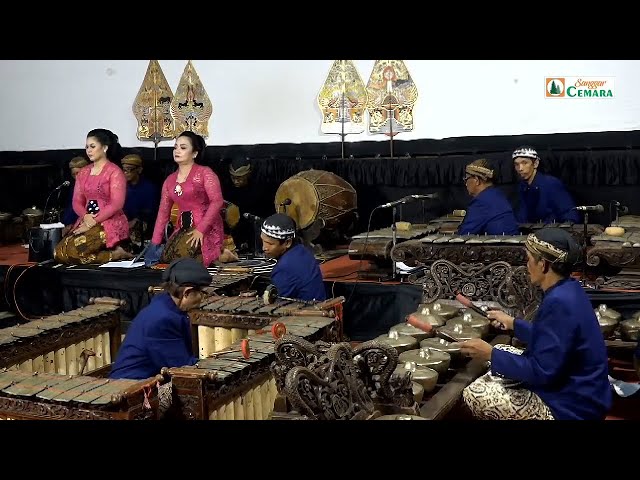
(142, 201)
(297, 274)
(563, 372)
(195, 188)
(489, 212)
(160, 335)
(69, 216)
(98, 198)
(543, 198)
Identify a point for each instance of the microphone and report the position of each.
(408, 198)
(251, 216)
(623, 209)
(423, 197)
(590, 208)
(66, 183)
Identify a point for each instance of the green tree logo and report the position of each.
(555, 87)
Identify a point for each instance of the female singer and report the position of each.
(196, 190)
(98, 198)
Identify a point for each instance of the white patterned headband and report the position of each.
(526, 153)
(277, 231)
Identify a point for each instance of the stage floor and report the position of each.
(13, 254)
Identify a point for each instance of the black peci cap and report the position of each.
(187, 272)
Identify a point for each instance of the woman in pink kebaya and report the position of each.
(196, 190)
(98, 198)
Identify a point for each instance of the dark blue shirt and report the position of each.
(489, 212)
(565, 362)
(297, 275)
(159, 336)
(142, 202)
(69, 216)
(546, 200)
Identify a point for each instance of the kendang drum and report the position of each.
(319, 200)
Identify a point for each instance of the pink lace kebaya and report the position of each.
(109, 189)
(200, 194)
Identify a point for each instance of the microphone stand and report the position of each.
(342, 119)
(584, 247)
(394, 239)
(256, 232)
(46, 203)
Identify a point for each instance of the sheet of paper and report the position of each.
(122, 264)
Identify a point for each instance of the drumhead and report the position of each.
(304, 200)
(231, 214)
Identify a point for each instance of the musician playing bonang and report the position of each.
(563, 372)
(196, 190)
(543, 198)
(160, 335)
(98, 197)
(296, 274)
(489, 212)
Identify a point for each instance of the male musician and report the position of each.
(563, 373)
(543, 198)
(142, 200)
(297, 274)
(160, 335)
(69, 216)
(489, 212)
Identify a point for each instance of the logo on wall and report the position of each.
(579, 87)
(554, 87)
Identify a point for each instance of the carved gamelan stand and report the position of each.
(324, 381)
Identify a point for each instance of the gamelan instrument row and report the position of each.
(436, 240)
(237, 383)
(415, 371)
(78, 341)
(51, 396)
(221, 321)
(51, 368)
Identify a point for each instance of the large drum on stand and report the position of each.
(320, 202)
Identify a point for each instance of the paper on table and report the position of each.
(123, 264)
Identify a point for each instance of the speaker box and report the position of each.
(42, 243)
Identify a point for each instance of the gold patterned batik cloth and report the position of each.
(85, 248)
(177, 247)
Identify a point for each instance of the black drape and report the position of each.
(596, 167)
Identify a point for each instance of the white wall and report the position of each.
(48, 104)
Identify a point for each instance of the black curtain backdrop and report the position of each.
(596, 167)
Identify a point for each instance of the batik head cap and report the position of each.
(480, 168)
(554, 245)
(279, 226)
(132, 159)
(78, 162)
(525, 152)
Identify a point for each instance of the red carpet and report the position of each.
(13, 254)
